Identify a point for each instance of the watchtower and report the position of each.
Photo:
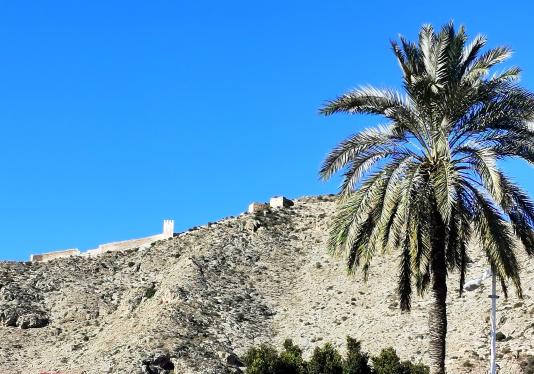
(168, 228)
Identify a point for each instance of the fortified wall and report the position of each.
(52, 255)
(168, 232)
(275, 202)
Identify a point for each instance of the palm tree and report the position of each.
(427, 182)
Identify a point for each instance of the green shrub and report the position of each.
(265, 359)
(261, 360)
(291, 361)
(467, 364)
(387, 362)
(356, 361)
(412, 368)
(325, 360)
(527, 364)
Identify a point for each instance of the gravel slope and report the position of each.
(199, 300)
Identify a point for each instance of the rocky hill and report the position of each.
(194, 303)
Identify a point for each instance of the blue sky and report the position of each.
(117, 114)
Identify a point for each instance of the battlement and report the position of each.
(168, 232)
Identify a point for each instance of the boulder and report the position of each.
(233, 360)
(32, 320)
(159, 363)
(252, 225)
(23, 318)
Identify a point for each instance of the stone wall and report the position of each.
(280, 202)
(257, 207)
(274, 202)
(168, 232)
(91, 252)
(129, 244)
(43, 257)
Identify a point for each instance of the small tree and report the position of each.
(356, 362)
(261, 360)
(387, 362)
(325, 360)
(291, 361)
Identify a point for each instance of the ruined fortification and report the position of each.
(275, 202)
(168, 232)
(56, 254)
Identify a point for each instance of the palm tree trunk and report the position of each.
(438, 310)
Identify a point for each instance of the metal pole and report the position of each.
(494, 297)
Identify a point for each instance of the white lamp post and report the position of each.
(494, 297)
(473, 285)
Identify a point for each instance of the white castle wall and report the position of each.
(280, 202)
(168, 232)
(91, 253)
(129, 244)
(43, 257)
(257, 207)
(274, 202)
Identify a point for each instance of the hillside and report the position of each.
(197, 301)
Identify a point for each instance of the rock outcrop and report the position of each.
(195, 302)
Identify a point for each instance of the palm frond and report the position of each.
(401, 59)
(471, 51)
(484, 162)
(444, 179)
(354, 209)
(520, 209)
(405, 278)
(392, 196)
(427, 39)
(509, 75)
(496, 238)
(341, 155)
(480, 67)
(366, 100)
(413, 56)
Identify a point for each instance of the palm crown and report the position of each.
(428, 182)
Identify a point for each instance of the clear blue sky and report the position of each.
(117, 114)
